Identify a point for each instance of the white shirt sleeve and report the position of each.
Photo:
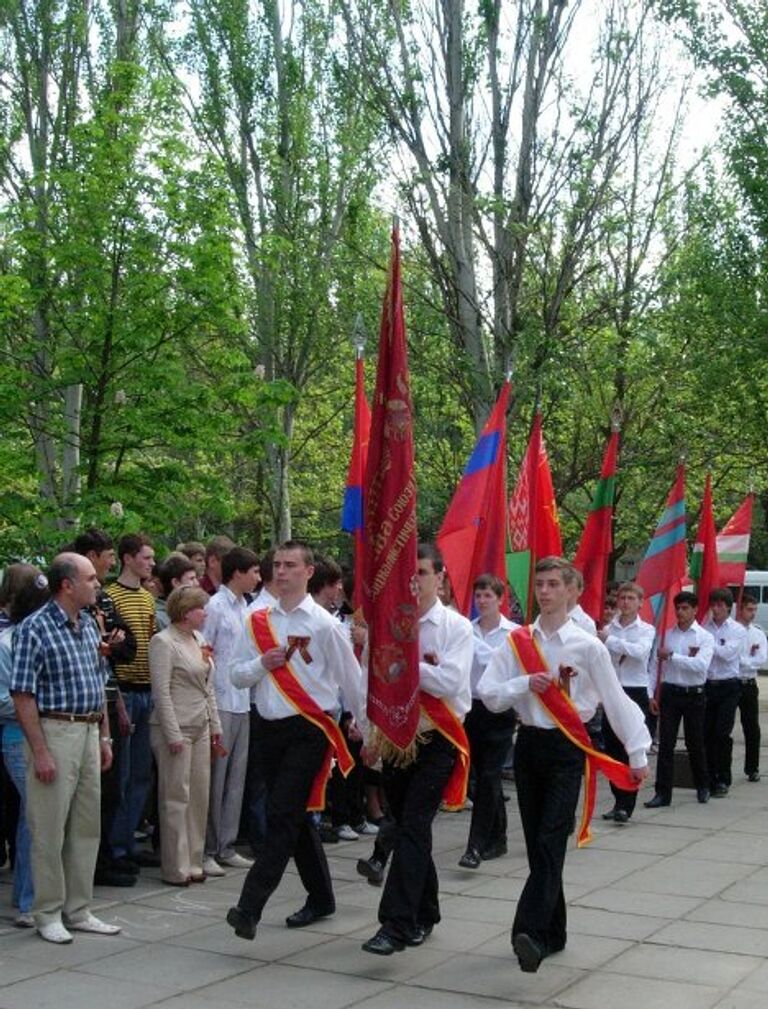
(501, 682)
(625, 717)
(451, 674)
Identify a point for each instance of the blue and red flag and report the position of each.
(473, 536)
(663, 570)
(352, 513)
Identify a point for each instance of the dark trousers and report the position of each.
(346, 794)
(615, 748)
(676, 703)
(489, 736)
(750, 724)
(291, 751)
(410, 897)
(722, 703)
(548, 772)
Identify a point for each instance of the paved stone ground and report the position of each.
(669, 912)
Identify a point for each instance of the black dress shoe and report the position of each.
(528, 952)
(372, 869)
(753, 776)
(242, 923)
(147, 858)
(719, 791)
(306, 916)
(495, 850)
(383, 944)
(656, 801)
(470, 859)
(125, 864)
(610, 814)
(621, 816)
(702, 795)
(111, 877)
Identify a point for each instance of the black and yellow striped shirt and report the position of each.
(137, 609)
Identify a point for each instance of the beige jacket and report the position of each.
(182, 684)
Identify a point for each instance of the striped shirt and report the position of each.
(137, 608)
(58, 662)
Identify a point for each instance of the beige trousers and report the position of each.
(64, 820)
(182, 794)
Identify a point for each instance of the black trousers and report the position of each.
(722, 704)
(410, 897)
(749, 711)
(490, 735)
(548, 772)
(676, 704)
(291, 751)
(615, 748)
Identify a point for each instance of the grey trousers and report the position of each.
(227, 784)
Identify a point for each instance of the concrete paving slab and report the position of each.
(592, 921)
(730, 912)
(345, 956)
(718, 970)
(13, 970)
(426, 998)
(685, 876)
(272, 942)
(740, 999)
(498, 978)
(603, 990)
(172, 966)
(657, 905)
(584, 952)
(71, 989)
(701, 935)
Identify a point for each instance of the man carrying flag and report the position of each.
(596, 544)
(555, 674)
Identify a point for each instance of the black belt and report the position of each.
(92, 717)
(673, 687)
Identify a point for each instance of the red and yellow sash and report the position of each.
(563, 713)
(449, 726)
(287, 682)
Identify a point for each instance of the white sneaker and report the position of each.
(212, 868)
(54, 931)
(90, 923)
(345, 833)
(367, 828)
(24, 919)
(236, 861)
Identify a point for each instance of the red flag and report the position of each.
(390, 563)
(534, 527)
(664, 566)
(705, 570)
(733, 544)
(596, 544)
(472, 538)
(352, 515)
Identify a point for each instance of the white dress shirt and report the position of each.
(729, 638)
(485, 644)
(754, 655)
(692, 652)
(225, 615)
(630, 647)
(447, 636)
(263, 601)
(331, 664)
(583, 620)
(504, 684)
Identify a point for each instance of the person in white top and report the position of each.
(409, 907)
(225, 616)
(292, 746)
(684, 655)
(753, 658)
(723, 689)
(490, 734)
(629, 641)
(548, 766)
(578, 615)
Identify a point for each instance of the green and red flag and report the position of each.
(594, 552)
(534, 526)
(389, 495)
(704, 568)
(733, 543)
(664, 566)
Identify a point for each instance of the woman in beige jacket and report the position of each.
(184, 726)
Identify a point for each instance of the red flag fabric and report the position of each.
(733, 544)
(596, 544)
(705, 570)
(534, 526)
(472, 538)
(352, 515)
(390, 564)
(664, 566)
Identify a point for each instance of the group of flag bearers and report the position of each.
(428, 671)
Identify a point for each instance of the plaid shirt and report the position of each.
(58, 663)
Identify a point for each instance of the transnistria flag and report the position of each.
(596, 544)
(390, 565)
(534, 526)
(704, 566)
(663, 570)
(352, 513)
(472, 538)
(733, 543)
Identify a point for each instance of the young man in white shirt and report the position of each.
(409, 907)
(685, 654)
(225, 616)
(629, 641)
(575, 611)
(548, 766)
(723, 689)
(753, 658)
(490, 734)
